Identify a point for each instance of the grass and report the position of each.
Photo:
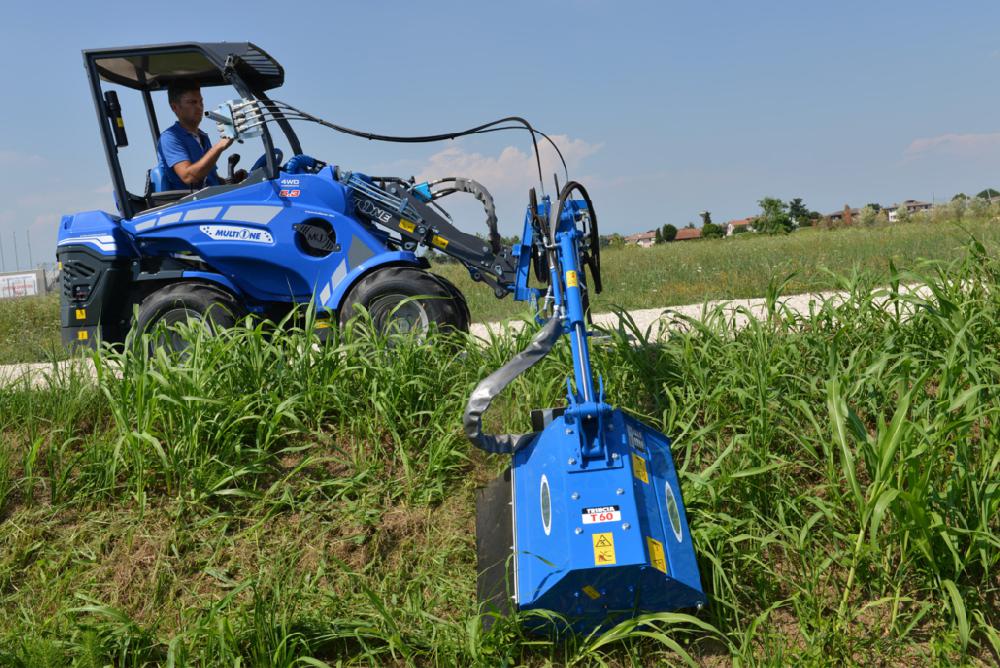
(636, 278)
(271, 502)
(743, 266)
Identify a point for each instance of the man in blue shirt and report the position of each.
(187, 157)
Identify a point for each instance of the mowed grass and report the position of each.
(271, 502)
(743, 266)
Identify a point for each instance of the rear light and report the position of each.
(81, 292)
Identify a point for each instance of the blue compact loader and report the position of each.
(588, 521)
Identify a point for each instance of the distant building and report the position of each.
(688, 233)
(838, 216)
(641, 239)
(912, 207)
(741, 225)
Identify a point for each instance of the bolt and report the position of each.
(575, 495)
(626, 526)
(569, 431)
(615, 455)
(421, 229)
(578, 531)
(572, 461)
(619, 491)
(486, 249)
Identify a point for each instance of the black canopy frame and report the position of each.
(246, 67)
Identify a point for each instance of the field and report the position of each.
(270, 502)
(666, 275)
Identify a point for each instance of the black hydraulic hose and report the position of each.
(594, 261)
(420, 139)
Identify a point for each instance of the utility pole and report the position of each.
(17, 260)
(27, 234)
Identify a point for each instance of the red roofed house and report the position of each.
(687, 233)
(737, 226)
(641, 239)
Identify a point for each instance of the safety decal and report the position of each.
(639, 468)
(601, 514)
(289, 193)
(82, 335)
(604, 549)
(635, 439)
(656, 556)
(440, 242)
(234, 233)
(407, 225)
(81, 314)
(571, 281)
(591, 592)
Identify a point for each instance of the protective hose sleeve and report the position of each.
(494, 384)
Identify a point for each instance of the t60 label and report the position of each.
(601, 514)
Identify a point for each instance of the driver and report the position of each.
(187, 157)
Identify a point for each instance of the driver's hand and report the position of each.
(224, 143)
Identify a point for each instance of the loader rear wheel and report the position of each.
(180, 302)
(405, 299)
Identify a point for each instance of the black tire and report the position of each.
(401, 299)
(179, 302)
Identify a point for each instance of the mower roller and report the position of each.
(588, 520)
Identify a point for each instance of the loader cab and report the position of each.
(116, 75)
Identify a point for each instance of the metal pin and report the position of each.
(575, 495)
(619, 491)
(578, 531)
(626, 526)
(572, 461)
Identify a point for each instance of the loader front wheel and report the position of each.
(181, 302)
(406, 299)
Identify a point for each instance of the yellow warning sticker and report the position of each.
(407, 225)
(81, 314)
(322, 324)
(440, 242)
(59, 266)
(82, 335)
(604, 549)
(639, 468)
(656, 556)
(591, 592)
(571, 281)
(120, 121)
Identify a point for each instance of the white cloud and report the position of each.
(955, 145)
(512, 167)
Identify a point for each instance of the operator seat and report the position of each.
(156, 188)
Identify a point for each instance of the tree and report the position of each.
(689, 226)
(658, 239)
(959, 196)
(669, 232)
(868, 216)
(989, 193)
(874, 206)
(775, 218)
(798, 212)
(712, 231)
(848, 216)
(902, 214)
(706, 218)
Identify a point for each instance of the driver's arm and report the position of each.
(193, 173)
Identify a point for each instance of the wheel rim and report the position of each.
(399, 314)
(171, 337)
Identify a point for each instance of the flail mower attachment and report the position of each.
(588, 521)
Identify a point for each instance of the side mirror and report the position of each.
(113, 110)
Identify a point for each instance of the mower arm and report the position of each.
(416, 221)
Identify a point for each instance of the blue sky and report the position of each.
(663, 108)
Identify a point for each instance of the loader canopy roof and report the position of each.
(155, 67)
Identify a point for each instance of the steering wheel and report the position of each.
(262, 160)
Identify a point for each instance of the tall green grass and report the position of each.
(270, 500)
